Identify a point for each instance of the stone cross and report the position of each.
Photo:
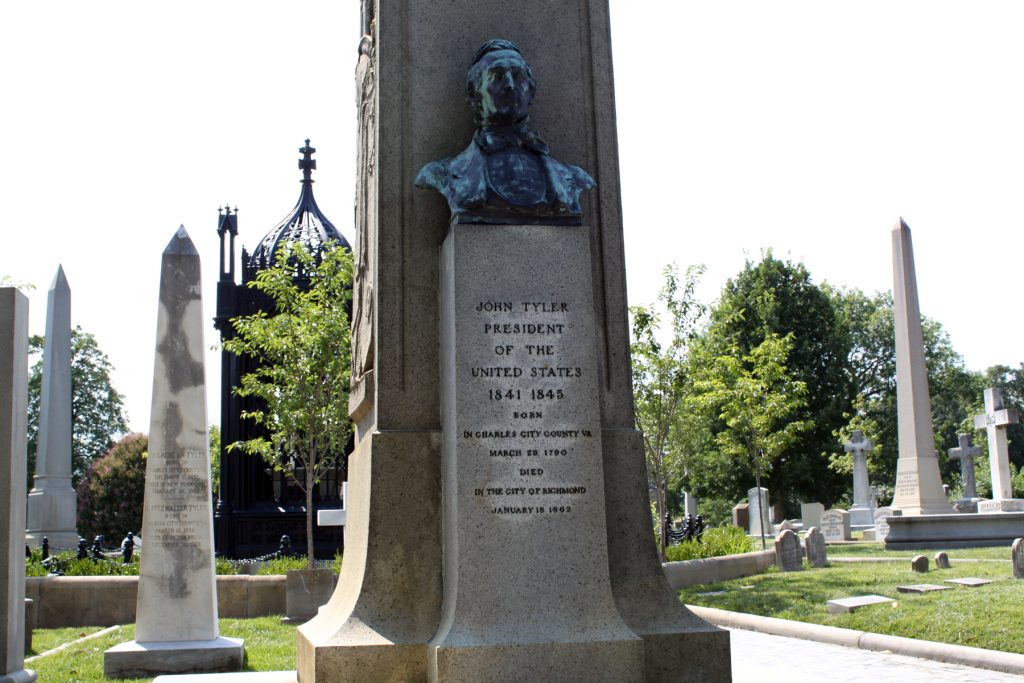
(13, 465)
(966, 453)
(52, 502)
(861, 511)
(994, 420)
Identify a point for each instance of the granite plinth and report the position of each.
(846, 605)
(1001, 505)
(954, 530)
(140, 660)
(20, 676)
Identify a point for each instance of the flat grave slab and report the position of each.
(921, 588)
(239, 677)
(969, 581)
(847, 605)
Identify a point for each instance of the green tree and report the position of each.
(110, 495)
(97, 409)
(661, 381)
(214, 436)
(302, 381)
(775, 297)
(757, 400)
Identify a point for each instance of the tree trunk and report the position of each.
(663, 520)
(309, 517)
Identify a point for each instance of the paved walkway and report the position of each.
(764, 658)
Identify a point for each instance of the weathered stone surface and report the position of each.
(810, 514)
(966, 453)
(954, 530)
(13, 466)
(835, 525)
(861, 512)
(760, 512)
(176, 615)
(941, 560)
(994, 421)
(788, 555)
(306, 591)
(52, 502)
(846, 605)
(921, 588)
(814, 542)
(919, 563)
(969, 582)
(1017, 555)
(918, 484)
(246, 677)
(410, 117)
(741, 515)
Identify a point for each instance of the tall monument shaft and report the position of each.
(918, 483)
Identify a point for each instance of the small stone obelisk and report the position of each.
(52, 502)
(176, 618)
(13, 463)
(918, 483)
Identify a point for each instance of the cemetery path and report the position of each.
(764, 658)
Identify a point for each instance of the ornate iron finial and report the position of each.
(307, 163)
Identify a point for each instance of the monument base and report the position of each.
(615, 660)
(967, 505)
(67, 540)
(52, 510)
(142, 660)
(1001, 505)
(954, 530)
(862, 516)
(21, 676)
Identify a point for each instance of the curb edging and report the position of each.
(976, 657)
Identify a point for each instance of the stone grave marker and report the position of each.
(784, 525)
(814, 542)
(881, 524)
(966, 453)
(921, 588)
(941, 560)
(741, 515)
(969, 582)
(13, 472)
(846, 605)
(919, 563)
(861, 512)
(918, 483)
(1017, 555)
(810, 514)
(994, 420)
(788, 555)
(52, 502)
(760, 512)
(176, 615)
(835, 525)
(492, 399)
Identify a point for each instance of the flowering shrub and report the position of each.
(110, 493)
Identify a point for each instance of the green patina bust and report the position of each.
(506, 174)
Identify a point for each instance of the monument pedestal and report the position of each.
(861, 517)
(143, 660)
(954, 530)
(52, 513)
(1001, 505)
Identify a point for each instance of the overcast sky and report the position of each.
(804, 127)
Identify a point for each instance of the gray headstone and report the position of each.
(862, 508)
(788, 555)
(994, 421)
(13, 466)
(918, 484)
(921, 588)
(835, 525)
(881, 524)
(177, 598)
(810, 514)
(969, 582)
(846, 605)
(1017, 555)
(919, 563)
(941, 560)
(760, 512)
(52, 502)
(814, 541)
(741, 516)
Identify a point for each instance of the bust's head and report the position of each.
(500, 84)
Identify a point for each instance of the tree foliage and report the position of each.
(661, 381)
(110, 495)
(302, 378)
(97, 409)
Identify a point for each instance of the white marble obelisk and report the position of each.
(52, 502)
(918, 483)
(13, 463)
(176, 617)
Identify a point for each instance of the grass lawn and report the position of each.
(878, 550)
(269, 646)
(989, 616)
(44, 639)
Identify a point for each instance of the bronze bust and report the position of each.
(506, 174)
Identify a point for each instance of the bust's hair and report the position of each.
(473, 75)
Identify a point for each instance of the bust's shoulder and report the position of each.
(572, 176)
(441, 173)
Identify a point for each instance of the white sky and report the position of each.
(806, 127)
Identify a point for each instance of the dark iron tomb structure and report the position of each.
(256, 506)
